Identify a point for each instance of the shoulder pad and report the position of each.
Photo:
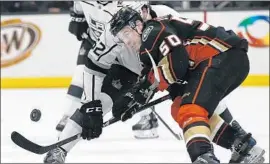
(151, 34)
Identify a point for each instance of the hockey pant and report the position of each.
(208, 84)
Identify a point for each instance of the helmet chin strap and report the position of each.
(135, 27)
(137, 31)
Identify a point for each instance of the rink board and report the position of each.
(47, 53)
(62, 82)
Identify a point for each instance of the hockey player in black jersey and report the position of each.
(213, 61)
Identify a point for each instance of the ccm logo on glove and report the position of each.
(93, 109)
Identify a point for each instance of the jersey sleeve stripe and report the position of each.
(171, 66)
(216, 39)
(166, 70)
(92, 66)
(214, 43)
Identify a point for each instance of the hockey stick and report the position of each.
(26, 144)
(157, 81)
(177, 136)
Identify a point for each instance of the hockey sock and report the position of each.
(221, 132)
(226, 116)
(71, 128)
(75, 91)
(193, 119)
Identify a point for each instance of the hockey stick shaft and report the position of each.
(179, 137)
(148, 105)
(157, 81)
(26, 144)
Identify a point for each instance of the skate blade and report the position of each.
(146, 134)
(257, 157)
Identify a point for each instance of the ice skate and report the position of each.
(206, 158)
(62, 123)
(244, 149)
(146, 128)
(57, 155)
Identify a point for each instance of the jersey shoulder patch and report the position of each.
(146, 33)
(152, 29)
(151, 34)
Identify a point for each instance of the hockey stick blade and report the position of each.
(24, 143)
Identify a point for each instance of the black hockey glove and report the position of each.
(125, 107)
(130, 103)
(176, 89)
(78, 25)
(144, 91)
(122, 104)
(127, 114)
(92, 122)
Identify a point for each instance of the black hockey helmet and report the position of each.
(125, 16)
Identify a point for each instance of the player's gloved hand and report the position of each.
(125, 107)
(78, 25)
(122, 104)
(127, 114)
(92, 121)
(176, 89)
(144, 91)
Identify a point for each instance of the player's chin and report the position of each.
(137, 47)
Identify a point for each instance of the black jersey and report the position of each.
(177, 44)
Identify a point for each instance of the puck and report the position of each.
(35, 115)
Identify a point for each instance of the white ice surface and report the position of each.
(250, 106)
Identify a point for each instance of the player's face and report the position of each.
(130, 37)
(145, 14)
